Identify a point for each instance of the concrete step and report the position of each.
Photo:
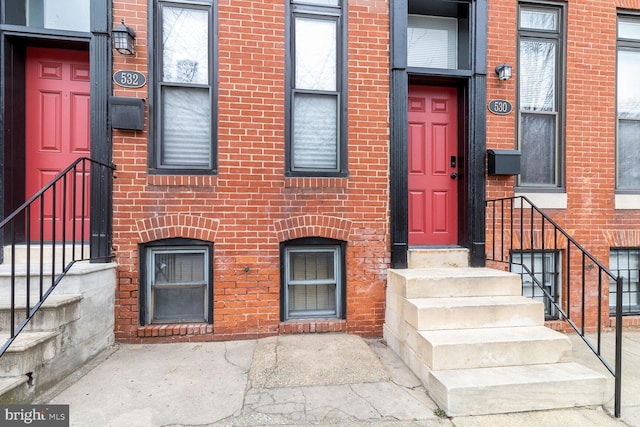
(48, 251)
(75, 279)
(55, 312)
(472, 312)
(491, 347)
(14, 389)
(453, 282)
(29, 351)
(438, 257)
(497, 390)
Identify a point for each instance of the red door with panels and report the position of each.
(433, 165)
(57, 133)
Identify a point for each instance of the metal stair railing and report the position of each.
(517, 226)
(50, 202)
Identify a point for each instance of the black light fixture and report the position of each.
(123, 38)
(503, 71)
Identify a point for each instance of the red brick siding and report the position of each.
(589, 141)
(250, 207)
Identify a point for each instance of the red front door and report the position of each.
(433, 166)
(57, 131)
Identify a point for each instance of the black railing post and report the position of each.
(618, 374)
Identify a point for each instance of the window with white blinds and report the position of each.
(185, 74)
(628, 108)
(312, 282)
(177, 288)
(315, 144)
(625, 263)
(540, 40)
(432, 42)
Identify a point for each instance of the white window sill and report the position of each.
(546, 200)
(627, 201)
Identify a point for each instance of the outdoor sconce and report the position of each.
(503, 71)
(123, 38)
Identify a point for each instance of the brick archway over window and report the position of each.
(170, 226)
(313, 226)
(622, 238)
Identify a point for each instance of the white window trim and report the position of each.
(546, 200)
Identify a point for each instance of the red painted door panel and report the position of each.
(57, 132)
(432, 166)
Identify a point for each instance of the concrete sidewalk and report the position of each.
(318, 379)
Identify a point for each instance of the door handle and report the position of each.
(453, 175)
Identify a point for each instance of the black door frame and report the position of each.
(472, 116)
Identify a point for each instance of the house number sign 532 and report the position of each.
(128, 78)
(500, 106)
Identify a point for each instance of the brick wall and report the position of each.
(590, 87)
(249, 207)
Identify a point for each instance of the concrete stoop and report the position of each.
(477, 345)
(73, 325)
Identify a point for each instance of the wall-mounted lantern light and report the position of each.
(503, 71)
(123, 38)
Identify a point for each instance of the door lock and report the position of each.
(453, 175)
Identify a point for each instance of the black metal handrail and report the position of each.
(517, 226)
(57, 225)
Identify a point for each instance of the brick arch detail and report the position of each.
(622, 238)
(329, 227)
(172, 226)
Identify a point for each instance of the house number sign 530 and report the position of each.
(500, 106)
(128, 78)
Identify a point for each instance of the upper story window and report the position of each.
(185, 125)
(540, 95)
(628, 108)
(316, 143)
(71, 15)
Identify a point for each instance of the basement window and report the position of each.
(178, 285)
(313, 282)
(544, 267)
(625, 263)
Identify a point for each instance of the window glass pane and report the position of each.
(629, 29)
(538, 19)
(185, 45)
(537, 75)
(179, 267)
(186, 127)
(315, 52)
(628, 154)
(312, 283)
(538, 147)
(179, 304)
(432, 42)
(628, 88)
(315, 131)
(304, 299)
(72, 15)
(311, 266)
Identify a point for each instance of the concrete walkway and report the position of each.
(317, 379)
